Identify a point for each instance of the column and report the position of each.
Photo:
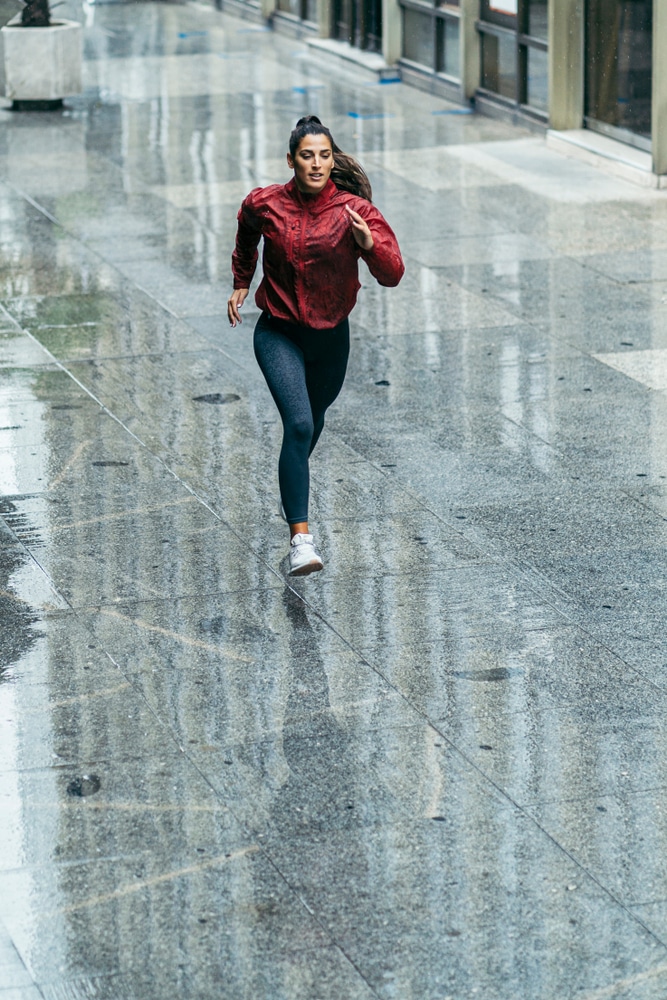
(659, 96)
(566, 63)
(392, 31)
(470, 45)
(324, 18)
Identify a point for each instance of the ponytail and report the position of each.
(347, 174)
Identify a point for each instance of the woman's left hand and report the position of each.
(360, 230)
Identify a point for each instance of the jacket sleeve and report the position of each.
(248, 235)
(384, 260)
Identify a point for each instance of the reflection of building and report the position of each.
(566, 65)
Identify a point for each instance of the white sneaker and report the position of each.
(303, 556)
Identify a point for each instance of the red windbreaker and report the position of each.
(310, 255)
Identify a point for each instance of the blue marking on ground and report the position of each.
(192, 34)
(305, 90)
(357, 114)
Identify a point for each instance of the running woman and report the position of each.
(315, 228)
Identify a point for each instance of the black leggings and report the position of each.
(305, 370)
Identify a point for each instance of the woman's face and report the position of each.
(312, 163)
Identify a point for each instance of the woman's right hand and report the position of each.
(238, 297)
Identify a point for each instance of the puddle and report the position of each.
(494, 674)
(84, 786)
(218, 398)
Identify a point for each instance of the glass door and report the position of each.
(619, 38)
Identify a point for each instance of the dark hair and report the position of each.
(347, 174)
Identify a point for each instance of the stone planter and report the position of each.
(40, 66)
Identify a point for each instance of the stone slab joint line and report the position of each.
(622, 985)
(148, 509)
(144, 807)
(185, 639)
(146, 883)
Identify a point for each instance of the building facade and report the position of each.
(586, 71)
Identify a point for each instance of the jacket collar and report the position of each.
(311, 200)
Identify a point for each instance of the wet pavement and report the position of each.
(435, 772)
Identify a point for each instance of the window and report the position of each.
(513, 39)
(431, 36)
(619, 44)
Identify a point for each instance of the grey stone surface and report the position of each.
(436, 770)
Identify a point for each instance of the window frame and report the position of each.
(440, 15)
(510, 26)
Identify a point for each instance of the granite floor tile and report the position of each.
(494, 676)
(109, 723)
(610, 330)
(106, 324)
(618, 838)
(434, 465)
(644, 650)
(652, 915)
(410, 543)
(298, 974)
(183, 376)
(18, 350)
(236, 343)
(643, 265)
(123, 808)
(194, 660)
(177, 547)
(549, 752)
(206, 904)
(583, 519)
(354, 771)
(476, 250)
(563, 288)
(26, 589)
(475, 885)
(474, 600)
(377, 311)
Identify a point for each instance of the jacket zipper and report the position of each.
(302, 246)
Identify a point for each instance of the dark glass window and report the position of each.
(499, 65)
(358, 22)
(431, 35)
(537, 80)
(418, 40)
(449, 59)
(619, 38)
(536, 19)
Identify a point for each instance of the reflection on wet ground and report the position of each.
(437, 770)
